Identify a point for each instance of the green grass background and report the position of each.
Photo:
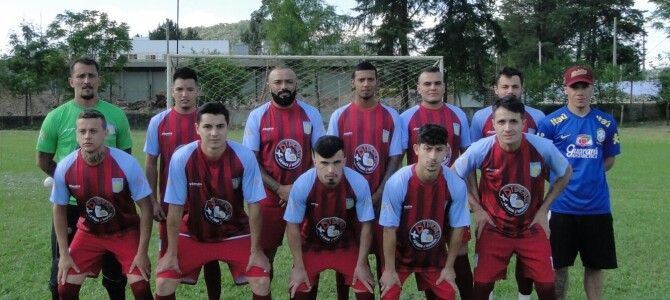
(639, 184)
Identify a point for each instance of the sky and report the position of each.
(145, 15)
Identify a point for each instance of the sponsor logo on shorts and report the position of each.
(366, 158)
(288, 154)
(514, 198)
(330, 230)
(425, 234)
(99, 210)
(217, 211)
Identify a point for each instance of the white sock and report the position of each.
(524, 297)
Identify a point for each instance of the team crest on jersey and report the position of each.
(307, 127)
(425, 234)
(350, 203)
(366, 158)
(600, 135)
(584, 140)
(99, 210)
(514, 198)
(330, 230)
(117, 185)
(236, 182)
(288, 154)
(217, 211)
(535, 169)
(457, 129)
(385, 136)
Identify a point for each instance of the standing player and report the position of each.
(422, 202)
(508, 83)
(581, 218)
(433, 110)
(106, 183)
(510, 206)
(281, 133)
(322, 208)
(372, 137)
(167, 131)
(58, 139)
(213, 177)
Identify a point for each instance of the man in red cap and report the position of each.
(581, 217)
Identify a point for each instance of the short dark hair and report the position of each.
(509, 72)
(214, 108)
(327, 145)
(364, 66)
(86, 61)
(184, 73)
(511, 103)
(433, 135)
(93, 114)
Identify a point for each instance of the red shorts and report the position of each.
(273, 226)
(494, 250)
(342, 261)
(88, 249)
(444, 290)
(192, 255)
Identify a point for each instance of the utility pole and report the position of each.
(614, 44)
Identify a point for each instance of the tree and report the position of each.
(660, 14)
(91, 33)
(175, 32)
(254, 35)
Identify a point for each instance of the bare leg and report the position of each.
(561, 283)
(593, 283)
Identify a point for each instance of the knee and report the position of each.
(259, 285)
(166, 286)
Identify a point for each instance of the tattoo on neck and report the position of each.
(94, 158)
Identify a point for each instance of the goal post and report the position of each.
(323, 81)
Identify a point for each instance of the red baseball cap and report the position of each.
(577, 74)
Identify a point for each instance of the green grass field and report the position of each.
(638, 184)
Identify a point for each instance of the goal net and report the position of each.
(239, 81)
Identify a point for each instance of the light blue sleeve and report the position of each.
(472, 158)
(536, 114)
(393, 197)
(334, 119)
(364, 209)
(138, 183)
(477, 124)
(252, 134)
(151, 145)
(405, 118)
(465, 128)
(545, 129)
(318, 130)
(459, 215)
(396, 138)
(551, 155)
(297, 198)
(175, 192)
(252, 182)
(60, 194)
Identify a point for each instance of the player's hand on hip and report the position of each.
(482, 218)
(298, 277)
(65, 263)
(168, 262)
(283, 192)
(449, 275)
(362, 273)
(388, 280)
(142, 262)
(159, 214)
(258, 259)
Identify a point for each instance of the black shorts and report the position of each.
(592, 236)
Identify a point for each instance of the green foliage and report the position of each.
(231, 32)
(661, 14)
(175, 32)
(664, 83)
(91, 33)
(399, 20)
(219, 81)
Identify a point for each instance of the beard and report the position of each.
(284, 101)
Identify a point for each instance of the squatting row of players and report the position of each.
(338, 195)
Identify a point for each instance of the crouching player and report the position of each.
(213, 177)
(323, 206)
(104, 181)
(420, 201)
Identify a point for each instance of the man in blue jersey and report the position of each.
(581, 217)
